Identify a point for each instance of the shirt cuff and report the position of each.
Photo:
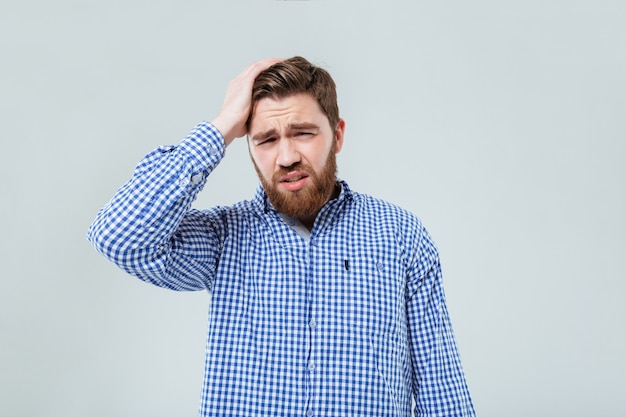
(204, 146)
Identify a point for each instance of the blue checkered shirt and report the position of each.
(348, 321)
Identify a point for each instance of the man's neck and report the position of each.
(308, 221)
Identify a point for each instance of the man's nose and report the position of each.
(288, 154)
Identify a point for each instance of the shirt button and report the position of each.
(380, 266)
(313, 324)
(311, 366)
(197, 178)
(313, 242)
(310, 413)
(212, 150)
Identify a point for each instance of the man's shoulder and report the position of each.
(384, 209)
(385, 215)
(387, 223)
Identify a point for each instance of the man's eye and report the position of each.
(304, 134)
(266, 141)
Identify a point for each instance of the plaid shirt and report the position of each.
(350, 320)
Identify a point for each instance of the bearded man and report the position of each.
(325, 301)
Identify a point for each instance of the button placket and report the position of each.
(312, 365)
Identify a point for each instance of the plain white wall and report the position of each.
(500, 123)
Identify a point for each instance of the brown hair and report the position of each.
(297, 75)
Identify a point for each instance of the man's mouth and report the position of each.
(294, 179)
(293, 176)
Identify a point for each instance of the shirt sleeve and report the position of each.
(148, 228)
(439, 383)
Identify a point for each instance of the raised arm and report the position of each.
(148, 228)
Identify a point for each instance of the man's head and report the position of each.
(297, 75)
(294, 132)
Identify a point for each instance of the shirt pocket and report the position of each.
(374, 293)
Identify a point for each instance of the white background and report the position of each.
(500, 123)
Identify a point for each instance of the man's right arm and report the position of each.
(148, 229)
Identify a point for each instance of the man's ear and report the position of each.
(340, 130)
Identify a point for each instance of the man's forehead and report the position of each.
(294, 109)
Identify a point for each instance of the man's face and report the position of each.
(293, 149)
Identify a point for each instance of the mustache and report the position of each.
(298, 166)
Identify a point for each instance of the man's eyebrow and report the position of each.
(291, 126)
(264, 135)
(303, 125)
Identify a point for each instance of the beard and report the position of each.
(308, 200)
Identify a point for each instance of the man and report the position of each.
(325, 301)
